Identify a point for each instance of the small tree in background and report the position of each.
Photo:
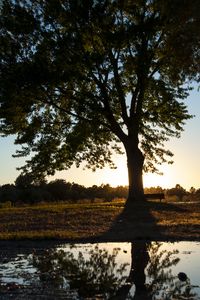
(177, 191)
(80, 77)
(59, 189)
(24, 181)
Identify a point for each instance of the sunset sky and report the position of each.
(185, 170)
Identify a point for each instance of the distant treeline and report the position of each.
(58, 190)
(27, 191)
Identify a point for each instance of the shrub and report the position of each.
(6, 204)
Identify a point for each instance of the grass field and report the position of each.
(104, 221)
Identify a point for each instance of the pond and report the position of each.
(139, 270)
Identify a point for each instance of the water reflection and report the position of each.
(149, 261)
(73, 275)
(97, 275)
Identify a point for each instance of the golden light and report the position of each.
(119, 176)
(116, 177)
(154, 180)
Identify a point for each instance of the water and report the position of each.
(138, 270)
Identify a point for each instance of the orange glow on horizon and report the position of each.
(119, 176)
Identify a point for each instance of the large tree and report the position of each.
(81, 77)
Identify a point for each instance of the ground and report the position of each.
(103, 221)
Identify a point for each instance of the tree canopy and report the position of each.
(81, 77)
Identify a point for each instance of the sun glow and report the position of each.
(154, 180)
(119, 176)
(116, 177)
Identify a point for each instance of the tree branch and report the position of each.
(51, 102)
(114, 126)
(119, 88)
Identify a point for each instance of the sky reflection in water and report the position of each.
(139, 270)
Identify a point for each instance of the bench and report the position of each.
(159, 196)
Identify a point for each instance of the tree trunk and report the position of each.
(135, 161)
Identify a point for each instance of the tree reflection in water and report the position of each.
(157, 264)
(97, 275)
(100, 277)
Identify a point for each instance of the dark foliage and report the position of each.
(58, 190)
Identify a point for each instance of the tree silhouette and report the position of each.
(177, 191)
(80, 77)
(99, 274)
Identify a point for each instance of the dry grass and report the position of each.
(57, 221)
(102, 221)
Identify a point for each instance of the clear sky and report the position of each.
(185, 170)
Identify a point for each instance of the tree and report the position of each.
(8, 193)
(28, 180)
(81, 77)
(59, 189)
(177, 191)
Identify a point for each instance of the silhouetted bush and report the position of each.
(58, 189)
(8, 192)
(6, 204)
